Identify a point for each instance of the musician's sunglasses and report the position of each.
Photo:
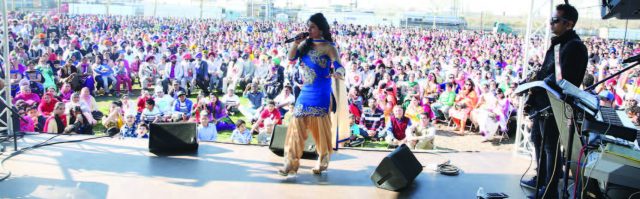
(555, 20)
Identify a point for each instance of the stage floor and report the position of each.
(115, 168)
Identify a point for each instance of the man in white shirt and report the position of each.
(164, 102)
(231, 101)
(173, 71)
(284, 100)
(214, 70)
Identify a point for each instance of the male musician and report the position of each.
(572, 57)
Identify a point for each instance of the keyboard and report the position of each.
(611, 122)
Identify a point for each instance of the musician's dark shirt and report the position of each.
(573, 62)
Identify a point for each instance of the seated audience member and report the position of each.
(465, 103)
(142, 131)
(57, 122)
(421, 136)
(151, 113)
(199, 107)
(75, 101)
(629, 102)
(489, 113)
(164, 102)
(129, 127)
(269, 113)
(372, 120)
(105, 74)
(264, 133)
(123, 76)
(426, 107)
(114, 119)
(175, 89)
(26, 95)
(47, 104)
(53, 93)
(414, 109)
(356, 137)
(241, 135)
(183, 106)
(90, 101)
(37, 118)
(142, 100)
(129, 106)
(284, 99)
(355, 104)
(215, 108)
(206, 131)
(396, 128)
(634, 115)
(65, 92)
(255, 96)
(446, 100)
(231, 101)
(78, 123)
(26, 123)
(287, 116)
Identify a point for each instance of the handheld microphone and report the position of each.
(303, 35)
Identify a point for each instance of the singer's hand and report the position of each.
(299, 38)
(336, 75)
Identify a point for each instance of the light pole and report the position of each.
(155, 7)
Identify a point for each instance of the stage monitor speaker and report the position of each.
(173, 137)
(278, 138)
(397, 170)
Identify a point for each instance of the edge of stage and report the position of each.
(117, 168)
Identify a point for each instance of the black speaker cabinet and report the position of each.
(397, 170)
(173, 137)
(277, 143)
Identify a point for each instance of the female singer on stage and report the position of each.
(312, 109)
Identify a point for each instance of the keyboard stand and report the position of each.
(563, 113)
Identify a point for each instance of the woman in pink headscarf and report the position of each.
(26, 95)
(65, 92)
(86, 97)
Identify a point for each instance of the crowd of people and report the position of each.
(402, 82)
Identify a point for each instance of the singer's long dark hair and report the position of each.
(323, 25)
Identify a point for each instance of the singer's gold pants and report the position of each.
(299, 127)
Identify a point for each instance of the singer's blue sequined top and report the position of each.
(315, 95)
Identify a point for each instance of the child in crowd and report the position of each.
(356, 138)
(26, 123)
(129, 127)
(206, 132)
(38, 119)
(241, 135)
(264, 137)
(142, 131)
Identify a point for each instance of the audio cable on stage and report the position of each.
(448, 169)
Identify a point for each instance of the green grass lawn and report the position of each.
(223, 136)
